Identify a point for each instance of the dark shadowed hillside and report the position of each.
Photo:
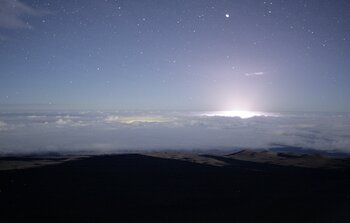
(124, 188)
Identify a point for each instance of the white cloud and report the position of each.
(3, 126)
(63, 121)
(114, 132)
(14, 12)
(136, 119)
(260, 73)
(68, 121)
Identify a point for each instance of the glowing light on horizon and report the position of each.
(136, 119)
(235, 113)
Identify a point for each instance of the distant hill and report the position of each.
(295, 158)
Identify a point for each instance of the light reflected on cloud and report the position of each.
(136, 119)
(238, 113)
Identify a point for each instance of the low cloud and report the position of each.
(136, 119)
(3, 126)
(14, 14)
(113, 132)
(254, 74)
(63, 121)
(69, 121)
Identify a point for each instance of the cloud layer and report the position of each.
(109, 132)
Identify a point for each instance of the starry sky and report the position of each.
(278, 55)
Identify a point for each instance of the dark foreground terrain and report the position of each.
(158, 188)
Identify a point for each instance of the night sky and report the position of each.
(280, 55)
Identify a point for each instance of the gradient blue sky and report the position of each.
(175, 54)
